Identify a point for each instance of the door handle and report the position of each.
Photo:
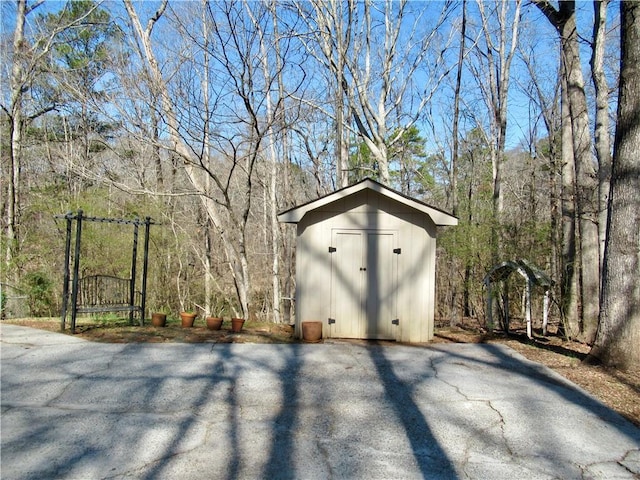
(363, 269)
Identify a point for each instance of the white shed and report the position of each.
(365, 263)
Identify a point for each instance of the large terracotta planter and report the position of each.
(187, 319)
(158, 319)
(311, 332)
(236, 324)
(214, 323)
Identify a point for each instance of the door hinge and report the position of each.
(397, 250)
(332, 320)
(332, 249)
(396, 321)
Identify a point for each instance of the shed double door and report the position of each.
(364, 277)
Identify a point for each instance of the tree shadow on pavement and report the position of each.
(432, 460)
(259, 412)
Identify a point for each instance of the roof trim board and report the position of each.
(439, 217)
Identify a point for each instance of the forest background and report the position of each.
(212, 117)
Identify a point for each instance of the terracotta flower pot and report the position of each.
(158, 319)
(311, 332)
(236, 324)
(187, 319)
(214, 323)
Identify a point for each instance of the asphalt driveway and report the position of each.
(78, 410)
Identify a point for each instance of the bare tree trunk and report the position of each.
(342, 142)
(456, 143)
(157, 160)
(234, 247)
(569, 282)
(555, 201)
(273, 161)
(618, 339)
(342, 161)
(375, 82)
(17, 82)
(334, 19)
(499, 55)
(586, 188)
(601, 133)
(208, 275)
(456, 113)
(28, 57)
(587, 205)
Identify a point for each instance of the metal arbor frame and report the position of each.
(131, 307)
(533, 276)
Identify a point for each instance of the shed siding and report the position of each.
(368, 210)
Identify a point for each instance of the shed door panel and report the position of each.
(363, 284)
(380, 286)
(346, 285)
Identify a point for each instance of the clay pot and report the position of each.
(311, 332)
(187, 319)
(214, 323)
(236, 324)
(158, 319)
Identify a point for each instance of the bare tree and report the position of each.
(456, 111)
(245, 106)
(500, 30)
(28, 57)
(618, 339)
(563, 19)
(273, 110)
(601, 132)
(32, 93)
(456, 142)
(208, 252)
(547, 101)
(378, 78)
(334, 21)
(196, 168)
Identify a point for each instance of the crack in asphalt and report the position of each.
(621, 462)
(500, 421)
(624, 459)
(52, 402)
(439, 386)
(502, 424)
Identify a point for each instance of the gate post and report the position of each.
(145, 265)
(76, 269)
(132, 283)
(65, 286)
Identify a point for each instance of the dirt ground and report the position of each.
(619, 390)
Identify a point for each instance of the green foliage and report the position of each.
(469, 242)
(84, 50)
(3, 303)
(109, 320)
(409, 144)
(81, 57)
(362, 163)
(60, 128)
(409, 165)
(39, 288)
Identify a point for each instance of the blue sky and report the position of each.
(544, 44)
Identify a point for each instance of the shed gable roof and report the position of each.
(439, 217)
